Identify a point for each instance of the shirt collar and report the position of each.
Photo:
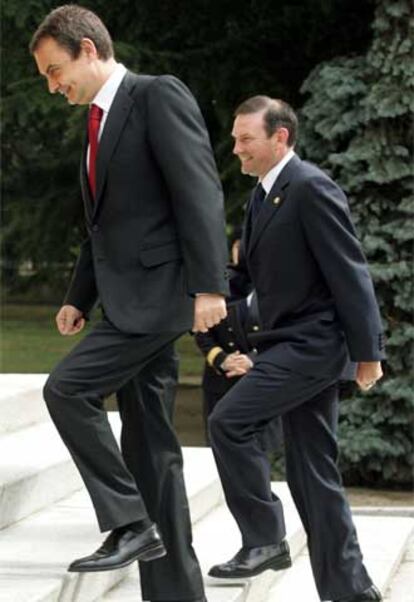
(106, 94)
(272, 175)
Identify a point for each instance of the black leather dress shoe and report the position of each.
(372, 594)
(249, 562)
(120, 548)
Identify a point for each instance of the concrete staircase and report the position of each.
(46, 520)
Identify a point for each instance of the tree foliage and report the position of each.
(41, 138)
(357, 123)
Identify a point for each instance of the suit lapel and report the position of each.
(86, 193)
(115, 122)
(247, 230)
(273, 202)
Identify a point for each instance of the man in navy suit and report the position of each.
(318, 310)
(154, 259)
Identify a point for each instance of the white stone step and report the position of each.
(35, 552)
(383, 541)
(401, 588)
(21, 402)
(45, 590)
(128, 590)
(202, 482)
(35, 471)
(216, 539)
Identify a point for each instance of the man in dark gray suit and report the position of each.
(155, 260)
(318, 308)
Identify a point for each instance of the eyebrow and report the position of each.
(244, 135)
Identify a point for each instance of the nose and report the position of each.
(52, 85)
(236, 147)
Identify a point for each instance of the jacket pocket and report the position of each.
(157, 255)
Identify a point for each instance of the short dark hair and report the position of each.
(68, 25)
(277, 113)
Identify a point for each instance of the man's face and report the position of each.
(71, 77)
(257, 152)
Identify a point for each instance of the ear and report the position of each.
(89, 48)
(282, 135)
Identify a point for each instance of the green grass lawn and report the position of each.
(30, 342)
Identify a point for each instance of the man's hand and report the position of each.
(209, 310)
(236, 364)
(69, 320)
(367, 374)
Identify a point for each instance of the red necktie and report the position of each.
(94, 122)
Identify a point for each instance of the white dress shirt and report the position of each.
(272, 175)
(106, 95)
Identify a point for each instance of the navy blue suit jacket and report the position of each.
(315, 294)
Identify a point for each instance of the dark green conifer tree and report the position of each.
(358, 123)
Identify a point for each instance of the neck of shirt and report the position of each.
(270, 178)
(105, 97)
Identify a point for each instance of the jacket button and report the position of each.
(230, 329)
(95, 228)
(231, 344)
(255, 328)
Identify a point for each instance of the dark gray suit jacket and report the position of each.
(156, 228)
(316, 297)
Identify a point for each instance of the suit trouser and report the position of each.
(309, 410)
(148, 479)
(270, 438)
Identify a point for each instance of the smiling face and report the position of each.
(75, 78)
(257, 151)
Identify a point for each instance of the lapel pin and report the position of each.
(276, 200)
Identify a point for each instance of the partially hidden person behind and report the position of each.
(318, 310)
(229, 354)
(154, 259)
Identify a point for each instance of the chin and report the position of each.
(248, 172)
